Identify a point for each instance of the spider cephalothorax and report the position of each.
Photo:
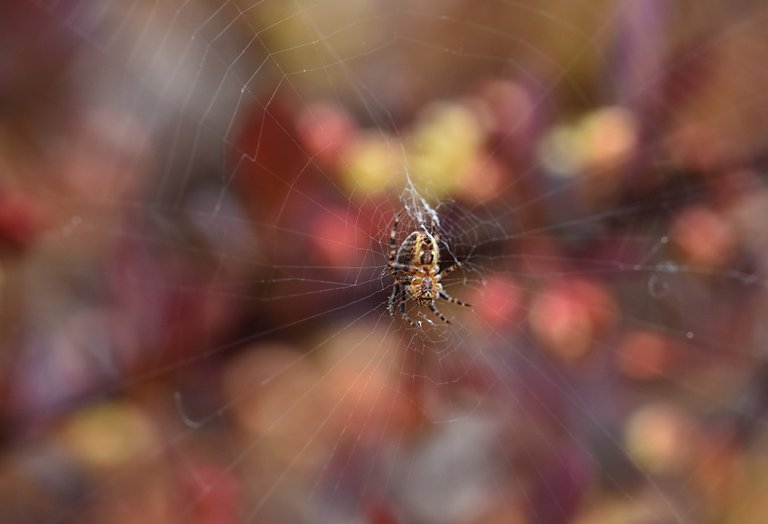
(416, 268)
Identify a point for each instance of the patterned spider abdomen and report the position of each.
(418, 250)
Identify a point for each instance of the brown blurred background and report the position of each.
(195, 202)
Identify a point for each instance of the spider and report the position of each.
(416, 268)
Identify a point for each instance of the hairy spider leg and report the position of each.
(404, 314)
(434, 310)
(445, 295)
(393, 241)
(406, 267)
(396, 299)
(393, 298)
(449, 298)
(433, 232)
(451, 269)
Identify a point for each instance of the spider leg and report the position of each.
(406, 267)
(449, 298)
(393, 242)
(451, 269)
(433, 232)
(393, 298)
(405, 316)
(434, 310)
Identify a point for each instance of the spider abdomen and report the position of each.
(418, 250)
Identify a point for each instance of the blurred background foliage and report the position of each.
(195, 201)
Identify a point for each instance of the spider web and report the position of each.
(200, 200)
